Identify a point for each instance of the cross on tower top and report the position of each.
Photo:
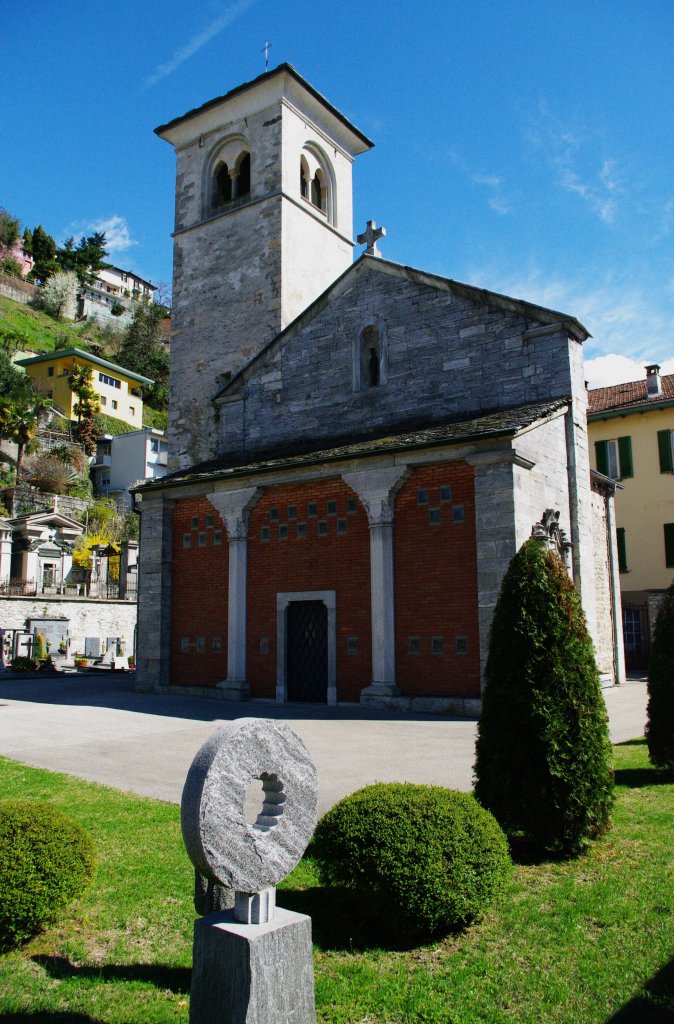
(265, 50)
(369, 237)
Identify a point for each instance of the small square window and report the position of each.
(50, 371)
(264, 533)
(341, 526)
(264, 645)
(103, 400)
(461, 645)
(195, 522)
(184, 645)
(332, 508)
(292, 511)
(438, 644)
(352, 645)
(414, 645)
(312, 509)
(210, 522)
(217, 536)
(273, 514)
(283, 532)
(458, 513)
(201, 539)
(301, 530)
(445, 493)
(113, 403)
(322, 528)
(422, 496)
(351, 505)
(187, 540)
(215, 644)
(201, 644)
(434, 516)
(132, 410)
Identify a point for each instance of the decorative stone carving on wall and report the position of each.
(548, 530)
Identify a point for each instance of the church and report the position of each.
(356, 448)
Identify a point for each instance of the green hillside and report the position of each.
(42, 333)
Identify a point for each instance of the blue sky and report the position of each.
(526, 147)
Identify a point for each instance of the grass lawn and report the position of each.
(586, 941)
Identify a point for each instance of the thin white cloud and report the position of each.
(494, 183)
(229, 15)
(568, 149)
(117, 232)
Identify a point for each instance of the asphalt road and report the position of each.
(98, 728)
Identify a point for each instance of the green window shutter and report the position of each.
(665, 450)
(625, 456)
(601, 453)
(669, 545)
(622, 550)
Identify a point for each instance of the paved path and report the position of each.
(97, 727)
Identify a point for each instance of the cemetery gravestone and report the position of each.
(252, 964)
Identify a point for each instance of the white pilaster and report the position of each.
(234, 509)
(377, 488)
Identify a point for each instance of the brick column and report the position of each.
(377, 488)
(153, 653)
(234, 509)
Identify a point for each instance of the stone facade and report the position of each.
(377, 460)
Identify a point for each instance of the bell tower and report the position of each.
(263, 225)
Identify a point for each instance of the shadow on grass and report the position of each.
(343, 921)
(637, 778)
(175, 979)
(48, 1017)
(655, 1005)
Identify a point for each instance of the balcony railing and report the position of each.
(31, 588)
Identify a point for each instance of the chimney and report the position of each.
(653, 387)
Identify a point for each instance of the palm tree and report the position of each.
(20, 420)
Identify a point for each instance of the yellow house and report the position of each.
(119, 390)
(631, 433)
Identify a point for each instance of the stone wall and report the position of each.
(446, 355)
(17, 289)
(86, 618)
(603, 638)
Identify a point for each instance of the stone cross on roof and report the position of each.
(369, 237)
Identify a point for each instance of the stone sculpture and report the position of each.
(252, 962)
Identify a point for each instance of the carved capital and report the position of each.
(377, 489)
(234, 508)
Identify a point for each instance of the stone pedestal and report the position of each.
(252, 973)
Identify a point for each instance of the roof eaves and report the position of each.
(80, 354)
(281, 69)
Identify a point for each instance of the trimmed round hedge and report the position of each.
(424, 859)
(46, 860)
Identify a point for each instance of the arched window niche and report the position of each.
(226, 175)
(370, 352)
(317, 181)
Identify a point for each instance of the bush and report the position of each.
(543, 764)
(46, 860)
(660, 710)
(47, 664)
(38, 647)
(423, 858)
(22, 664)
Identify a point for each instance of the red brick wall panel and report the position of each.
(200, 595)
(313, 562)
(436, 583)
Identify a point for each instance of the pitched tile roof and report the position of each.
(621, 396)
(478, 427)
